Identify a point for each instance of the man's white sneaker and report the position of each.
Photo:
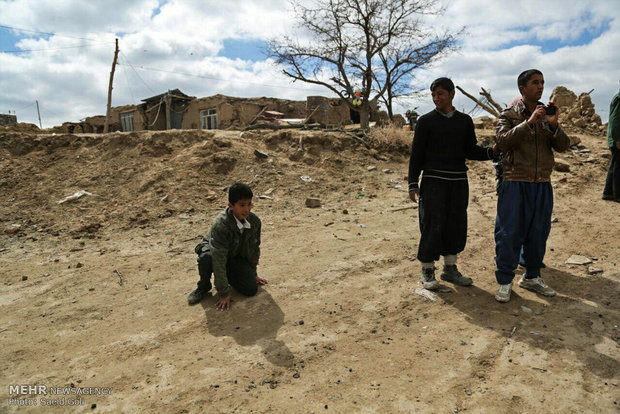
(536, 285)
(503, 293)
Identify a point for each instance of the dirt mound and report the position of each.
(20, 127)
(141, 176)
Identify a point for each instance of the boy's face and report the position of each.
(442, 99)
(534, 88)
(241, 209)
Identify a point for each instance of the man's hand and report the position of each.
(224, 303)
(261, 281)
(414, 194)
(538, 115)
(496, 150)
(553, 119)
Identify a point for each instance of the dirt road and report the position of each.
(94, 290)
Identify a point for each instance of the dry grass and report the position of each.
(391, 134)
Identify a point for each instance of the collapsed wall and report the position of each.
(577, 112)
(7, 119)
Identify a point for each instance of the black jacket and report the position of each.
(443, 144)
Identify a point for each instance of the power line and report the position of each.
(129, 85)
(136, 72)
(225, 80)
(55, 48)
(44, 33)
(24, 107)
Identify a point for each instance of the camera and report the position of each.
(550, 110)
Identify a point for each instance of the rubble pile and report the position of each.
(20, 127)
(577, 112)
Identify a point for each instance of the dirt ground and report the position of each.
(94, 289)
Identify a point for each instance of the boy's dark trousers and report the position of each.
(612, 184)
(443, 218)
(241, 274)
(523, 219)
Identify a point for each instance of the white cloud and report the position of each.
(186, 37)
(77, 17)
(580, 68)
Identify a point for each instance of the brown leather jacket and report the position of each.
(527, 152)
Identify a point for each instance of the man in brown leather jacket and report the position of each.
(527, 134)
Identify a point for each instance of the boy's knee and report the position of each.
(204, 257)
(249, 290)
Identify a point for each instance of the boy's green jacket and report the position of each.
(225, 241)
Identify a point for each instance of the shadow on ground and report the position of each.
(251, 321)
(582, 318)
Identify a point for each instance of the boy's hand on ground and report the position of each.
(261, 281)
(224, 303)
(414, 194)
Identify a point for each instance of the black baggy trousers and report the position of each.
(612, 183)
(241, 274)
(443, 218)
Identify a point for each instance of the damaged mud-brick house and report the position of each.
(175, 110)
(7, 119)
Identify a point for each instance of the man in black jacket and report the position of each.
(443, 139)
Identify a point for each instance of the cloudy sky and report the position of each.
(60, 52)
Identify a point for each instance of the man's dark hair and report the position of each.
(526, 75)
(444, 83)
(239, 191)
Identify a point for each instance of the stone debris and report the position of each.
(574, 140)
(594, 270)
(313, 202)
(426, 294)
(562, 165)
(273, 383)
(371, 168)
(260, 154)
(578, 260)
(576, 112)
(74, 196)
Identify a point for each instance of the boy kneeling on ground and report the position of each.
(230, 250)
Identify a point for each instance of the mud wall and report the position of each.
(7, 119)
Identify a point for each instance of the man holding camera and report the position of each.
(527, 134)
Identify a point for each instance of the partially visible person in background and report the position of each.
(612, 184)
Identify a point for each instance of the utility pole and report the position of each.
(107, 113)
(168, 103)
(39, 113)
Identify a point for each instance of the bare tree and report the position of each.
(399, 62)
(369, 45)
(487, 103)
